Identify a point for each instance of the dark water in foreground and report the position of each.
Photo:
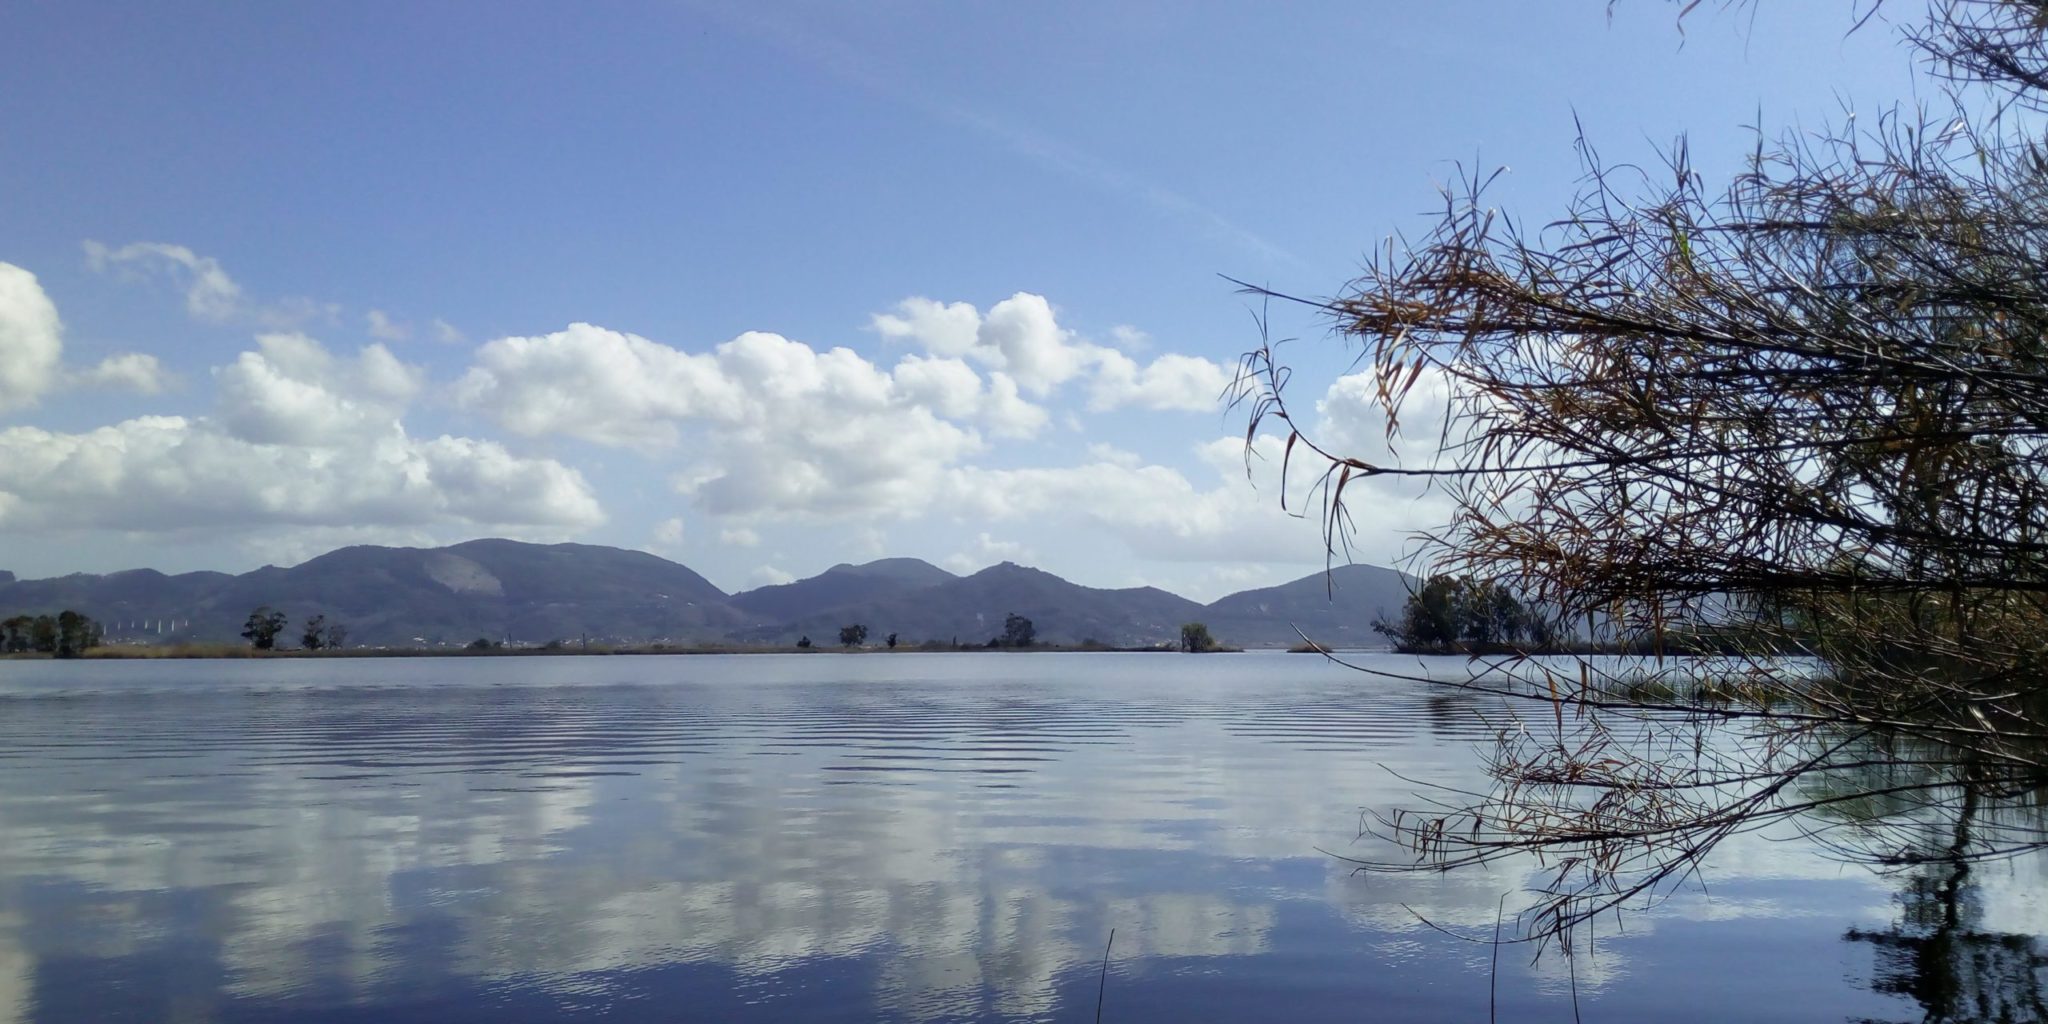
(899, 838)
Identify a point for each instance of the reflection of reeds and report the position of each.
(1750, 690)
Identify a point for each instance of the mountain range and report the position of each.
(533, 593)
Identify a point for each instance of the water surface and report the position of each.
(915, 837)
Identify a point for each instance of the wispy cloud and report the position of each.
(211, 295)
(833, 56)
(386, 327)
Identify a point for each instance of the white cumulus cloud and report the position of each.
(291, 390)
(1021, 336)
(128, 371)
(784, 428)
(1235, 513)
(947, 329)
(1172, 381)
(32, 350)
(766, 426)
(1028, 342)
(596, 384)
(31, 339)
(1349, 421)
(170, 473)
(300, 438)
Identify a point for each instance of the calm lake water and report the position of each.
(929, 837)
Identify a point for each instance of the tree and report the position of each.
(262, 628)
(16, 633)
(76, 634)
(315, 634)
(1452, 613)
(850, 636)
(1429, 618)
(1195, 638)
(1017, 631)
(482, 643)
(891, 641)
(803, 642)
(1808, 409)
(43, 634)
(337, 637)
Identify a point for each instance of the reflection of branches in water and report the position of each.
(1806, 412)
(1611, 781)
(1936, 956)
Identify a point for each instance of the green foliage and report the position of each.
(1017, 632)
(1195, 638)
(43, 634)
(68, 634)
(14, 634)
(892, 641)
(482, 644)
(1454, 613)
(803, 642)
(74, 634)
(852, 636)
(262, 628)
(314, 636)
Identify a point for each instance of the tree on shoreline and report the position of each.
(76, 634)
(1450, 614)
(262, 628)
(1812, 402)
(1017, 632)
(68, 634)
(15, 633)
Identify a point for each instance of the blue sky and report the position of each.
(902, 278)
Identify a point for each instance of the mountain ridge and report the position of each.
(500, 589)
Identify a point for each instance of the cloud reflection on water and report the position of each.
(965, 840)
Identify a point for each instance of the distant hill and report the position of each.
(1336, 609)
(394, 596)
(840, 586)
(502, 589)
(136, 594)
(971, 609)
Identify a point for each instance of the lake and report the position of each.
(913, 837)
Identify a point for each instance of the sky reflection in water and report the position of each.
(903, 838)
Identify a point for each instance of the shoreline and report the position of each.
(189, 652)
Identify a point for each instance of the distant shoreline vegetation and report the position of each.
(321, 638)
(154, 652)
(1454, 616)
(67, 634)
